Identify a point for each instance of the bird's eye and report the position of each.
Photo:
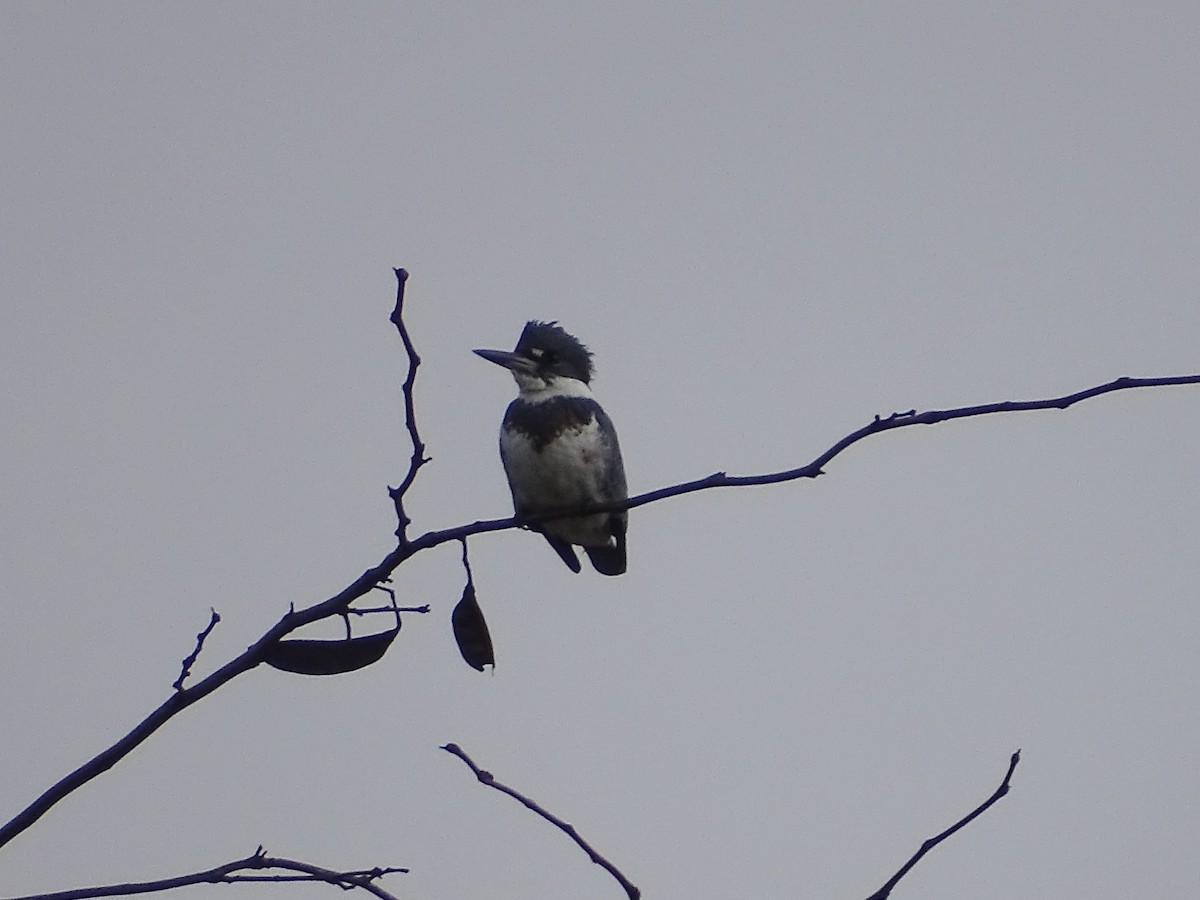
(536, 352)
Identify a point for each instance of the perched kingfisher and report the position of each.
(560, 449)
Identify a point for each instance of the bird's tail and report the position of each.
(607, 560)
(565, 551)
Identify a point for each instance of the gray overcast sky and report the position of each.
(770, 222)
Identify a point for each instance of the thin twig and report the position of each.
(466, 561)
(226, 874)
(418, 458)
(363, 611)
(190, 661)
(486, 778)
(886, 890)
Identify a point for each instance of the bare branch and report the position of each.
(227, 874)
(812, 469)
(190, 661)
(466, 561)
(366, 611)
(884, 892)
(182, 699)
(338, 603)
(897, 420)
(410, 417)
(373, 577)
(486, 778)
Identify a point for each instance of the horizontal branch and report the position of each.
(903, 420)
(226, 873)
(812, 469)
(340, 602)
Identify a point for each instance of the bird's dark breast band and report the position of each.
(543, 422)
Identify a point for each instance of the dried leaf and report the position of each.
(309, 657)
(471, 631)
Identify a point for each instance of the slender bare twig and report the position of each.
(226, 873)
(486, 778)
(884, 892)
(364, 611)
(466, 561)
(393, 609)
(418, 458)
(190, 661)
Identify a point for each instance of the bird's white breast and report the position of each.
(565, 472)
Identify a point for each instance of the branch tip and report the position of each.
(884, 892)
(418, 457)
(566, 828)
(190, 659)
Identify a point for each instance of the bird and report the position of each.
(560, 449)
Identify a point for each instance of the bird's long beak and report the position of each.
(509, 360)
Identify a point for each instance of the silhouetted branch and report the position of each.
(566, 828)
(339, 603)
(896, 420)
(812, 469)
(190, 661)
(366, 611)
(884, 892)
(227, 874)
(410, 417)
(466, 561)
(393, 609)
(182, 699)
